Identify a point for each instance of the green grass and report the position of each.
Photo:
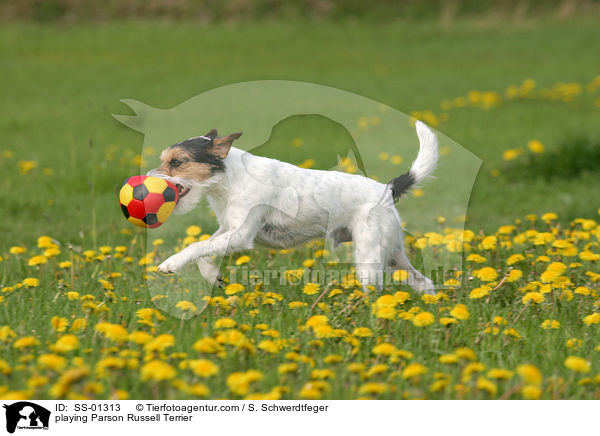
(60, 86)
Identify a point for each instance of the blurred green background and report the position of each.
(66, 64)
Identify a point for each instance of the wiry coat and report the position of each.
(273, 203)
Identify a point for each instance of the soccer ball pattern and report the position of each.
(147, 201)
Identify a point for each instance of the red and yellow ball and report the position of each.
(147, 201)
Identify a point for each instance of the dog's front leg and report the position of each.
(236, 238)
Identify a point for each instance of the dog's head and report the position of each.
(193, 166)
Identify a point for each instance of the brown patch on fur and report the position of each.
(188, 169)
(193, 170)
(221, 146)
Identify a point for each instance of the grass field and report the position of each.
(76, 317)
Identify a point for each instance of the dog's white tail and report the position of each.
(427, 158)
(423, 165)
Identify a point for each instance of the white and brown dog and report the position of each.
(279, 205)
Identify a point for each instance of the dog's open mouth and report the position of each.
(182, 190)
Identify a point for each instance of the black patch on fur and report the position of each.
(401, 184)
(341, 234)
(268, 227)
(198, 148)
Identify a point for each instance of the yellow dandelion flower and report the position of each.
(401, 297)
(239, 382)
(52, 361)
(530, 373)
(157, 370)
(193, 230)
(160, 343)
(113, 332)
(486, 274)
(59, 324)
(242, 260)
(589, 256)
(445, 321)
(487, 385)
(500, 374)
(332, 359)
(66, 343)
(317, 321)
(37, 260)
(385, 312)
(286, 368)
(203, 367)
(31, 282)
(400, 275)
(234, 288)
(6, 333)
(373, 388)
(594, 318)
(26, 342)
(269, 346)
(550, 324)
(577, 364)
(460, 312)
(314, 390)
(362, 332)
(186, 306)
(377, 369)
(535, 146)
(480, 292)
(533, 298)
(356, 367)
(489, 242)
(465, 353)
(514, 275)
(139, 337)
(582, 290)
(17, 250)
(413, 370)
(207, 345)
(308, 263)
(384, 349)
(514, 259)
(311, 288)
(448, 358)
(476, 258)
(531, 392)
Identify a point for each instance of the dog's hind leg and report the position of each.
(368, 256)
(209, 270)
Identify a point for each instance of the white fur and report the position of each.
(427, 158)
(280, 205)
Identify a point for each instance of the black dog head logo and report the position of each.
(27, 415)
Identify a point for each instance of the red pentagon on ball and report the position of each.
(147, 201)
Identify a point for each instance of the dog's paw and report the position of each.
(171, 265)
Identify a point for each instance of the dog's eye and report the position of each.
(175, 163)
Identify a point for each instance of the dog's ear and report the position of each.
(220, 146)
(212, 134)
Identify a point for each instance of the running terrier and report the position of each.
(277, 204)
